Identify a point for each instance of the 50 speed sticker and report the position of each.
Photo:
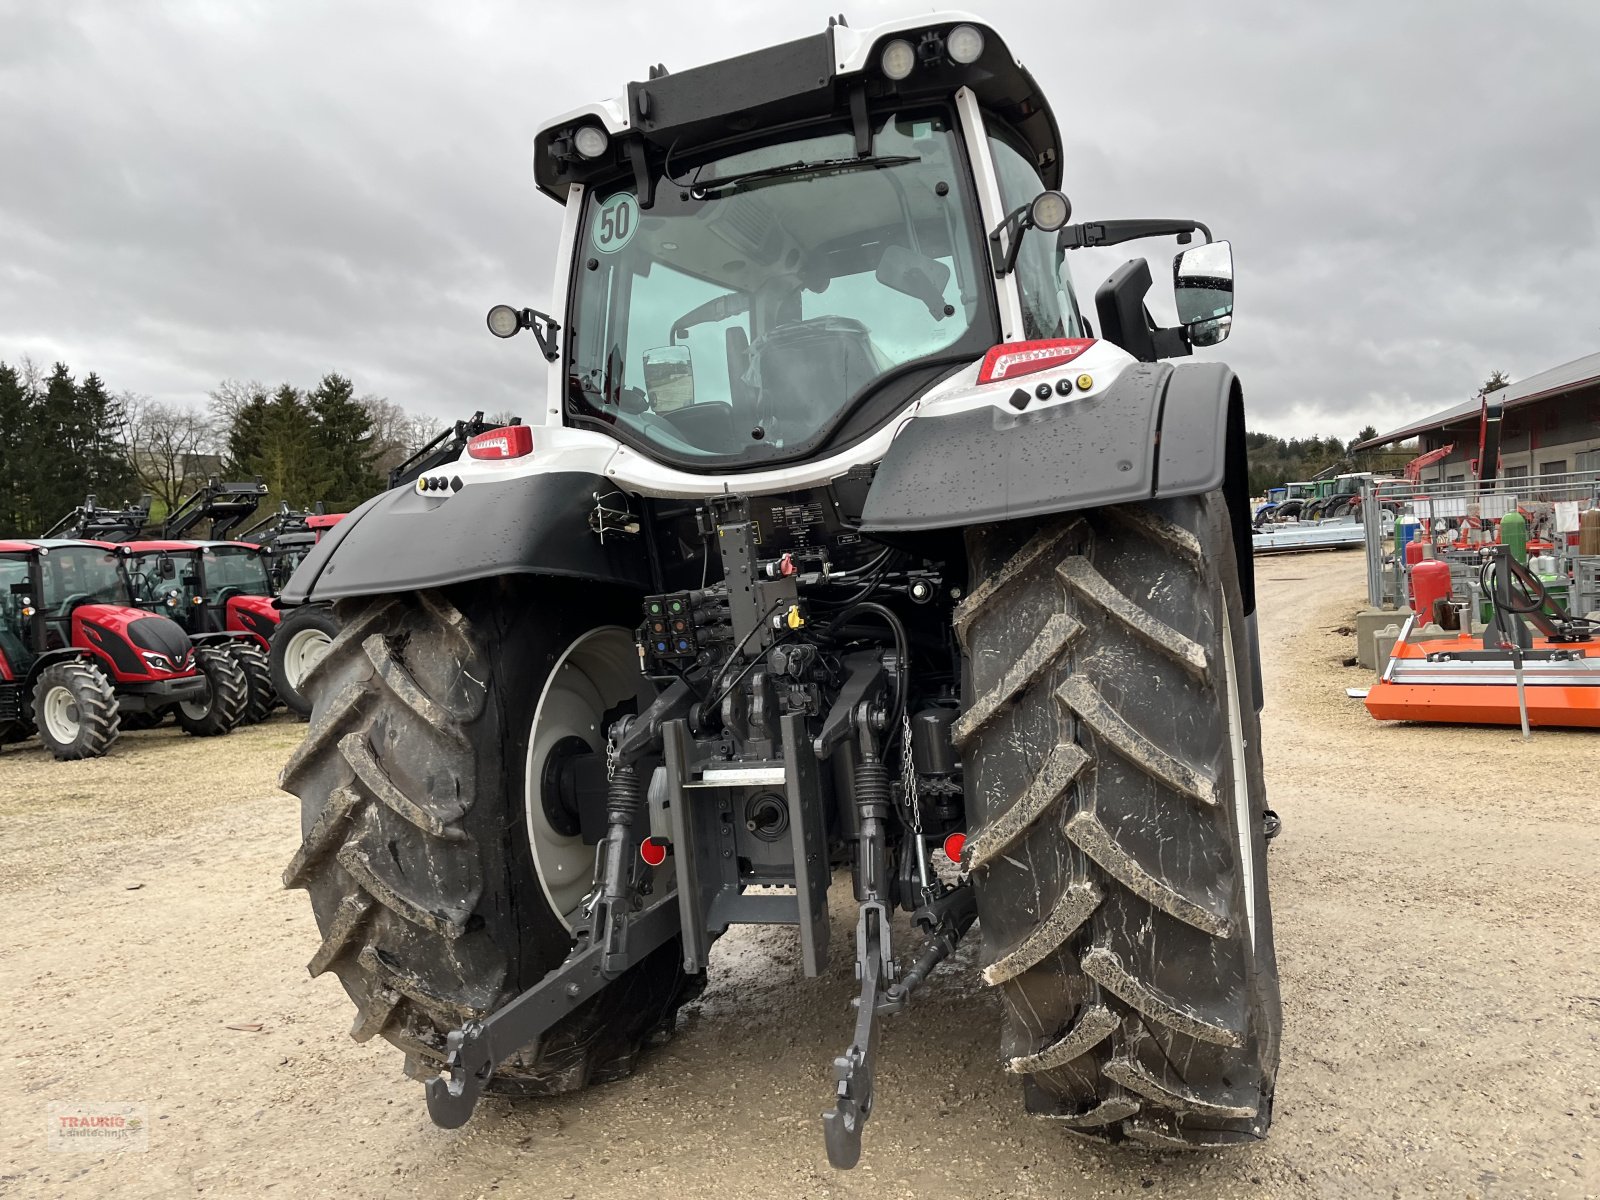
(615, 223)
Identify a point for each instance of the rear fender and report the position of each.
(1157, 431)
(530, 523)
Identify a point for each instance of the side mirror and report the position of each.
(168, 568)
(669, 378)
(1202, 281)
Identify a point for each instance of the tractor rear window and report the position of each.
(765, 293)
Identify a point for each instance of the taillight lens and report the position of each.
(1024, 358)
(509, 441)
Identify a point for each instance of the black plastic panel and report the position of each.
(527, 525)
(1194, 429)
(996, 464)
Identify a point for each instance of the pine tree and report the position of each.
(104, 453)
(288, 458)
(246, 435)
(342, 428)
(17, 469)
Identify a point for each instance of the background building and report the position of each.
(1551, 427)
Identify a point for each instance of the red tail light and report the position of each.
(509, 441)
(1012, 359)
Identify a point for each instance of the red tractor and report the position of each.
(222, 595)
(76, 655)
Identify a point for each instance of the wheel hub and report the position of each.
(61, 716)
(596, 673)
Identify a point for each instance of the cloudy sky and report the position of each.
(272, 190)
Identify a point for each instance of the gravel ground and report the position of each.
(1435, 891)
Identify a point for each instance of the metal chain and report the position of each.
(908, 775)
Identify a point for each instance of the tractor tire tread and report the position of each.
(1125, 925)
(404, 858)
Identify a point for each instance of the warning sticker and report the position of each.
(615, 223)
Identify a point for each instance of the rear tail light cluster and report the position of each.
(1013, 359)
(509, 441)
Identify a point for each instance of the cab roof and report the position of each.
(24, 545)
(812, 78)
(154, 547)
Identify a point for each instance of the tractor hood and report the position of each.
(136, 644)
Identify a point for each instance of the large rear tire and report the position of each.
(302, 640)
(420, 852)
(75, 710)
(1115, 790)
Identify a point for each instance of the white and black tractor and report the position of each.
(844, 546)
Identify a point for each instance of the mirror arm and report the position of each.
(1171, 343)
(1111, 233)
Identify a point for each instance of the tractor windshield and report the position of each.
(240, 569)
(765, 293)
(76, 575)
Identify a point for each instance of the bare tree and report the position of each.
(391, 430)
(170, 445)
(227, 400)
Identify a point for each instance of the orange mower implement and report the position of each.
(1443, 681)
(1506, 676)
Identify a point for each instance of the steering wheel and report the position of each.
(224, 595)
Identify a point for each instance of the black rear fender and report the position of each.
(1159, 431)
(406, 540)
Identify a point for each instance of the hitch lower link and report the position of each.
(944, 917)
(619, 932)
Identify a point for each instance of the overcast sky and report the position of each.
(273, 190)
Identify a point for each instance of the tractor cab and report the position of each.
(67, 583)
(207, 587)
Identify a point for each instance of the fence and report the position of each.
(1460, 518)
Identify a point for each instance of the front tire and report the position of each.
(75, 710)
(227, 692)
(1118, 852)
(417, 851)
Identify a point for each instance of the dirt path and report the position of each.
(1435, 894)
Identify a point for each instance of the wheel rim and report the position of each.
(1241, 778)
(597, 672)
(197, 710)
(61, 717)
(304, 650)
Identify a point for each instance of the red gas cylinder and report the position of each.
(1430, 581)
(1413, 557)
